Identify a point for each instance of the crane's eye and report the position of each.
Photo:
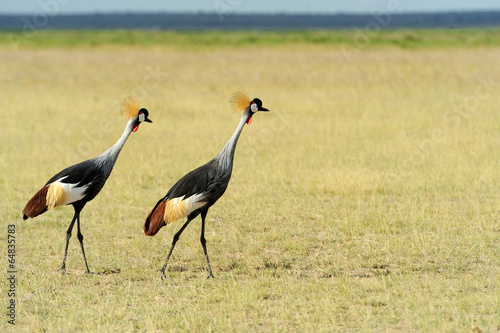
(254, 107)
(141, 117)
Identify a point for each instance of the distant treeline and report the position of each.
(227, 20)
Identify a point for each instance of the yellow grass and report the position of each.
(367, 199)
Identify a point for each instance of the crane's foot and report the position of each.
(89, 272)
(210, 275)
(63, 269)
(162, 273)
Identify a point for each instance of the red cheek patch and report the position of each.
(135, 128)
(249, 121)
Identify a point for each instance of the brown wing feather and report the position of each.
(155, 219)
(37, 205)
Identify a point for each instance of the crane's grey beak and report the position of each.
(263, 109)
(148, 120)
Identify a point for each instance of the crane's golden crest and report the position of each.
(130, 107)
(239, 101)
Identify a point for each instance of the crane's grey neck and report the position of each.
(108, 158)
(226, 156)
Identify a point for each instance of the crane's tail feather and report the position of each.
(171, 210)
(37, 205)
(155, 220)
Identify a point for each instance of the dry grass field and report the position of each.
(366, 200)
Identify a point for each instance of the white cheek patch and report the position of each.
(254, 107)
(142, 117)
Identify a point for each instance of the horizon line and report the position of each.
(257, 13)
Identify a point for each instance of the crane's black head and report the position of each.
(142, 115)
(254, 107)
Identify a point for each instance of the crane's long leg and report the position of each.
(204, 242)
(68, 236)
(176, 238)
(80, 238)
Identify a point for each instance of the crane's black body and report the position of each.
(198, 190)
(85, 174)
(209, 179)
(79, 184)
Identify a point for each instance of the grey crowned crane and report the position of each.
(198, 190)
(80, 183)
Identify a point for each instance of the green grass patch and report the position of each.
(359, 38)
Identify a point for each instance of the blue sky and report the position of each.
(242, 6)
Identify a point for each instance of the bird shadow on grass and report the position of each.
(108, 271)
(176, 269)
